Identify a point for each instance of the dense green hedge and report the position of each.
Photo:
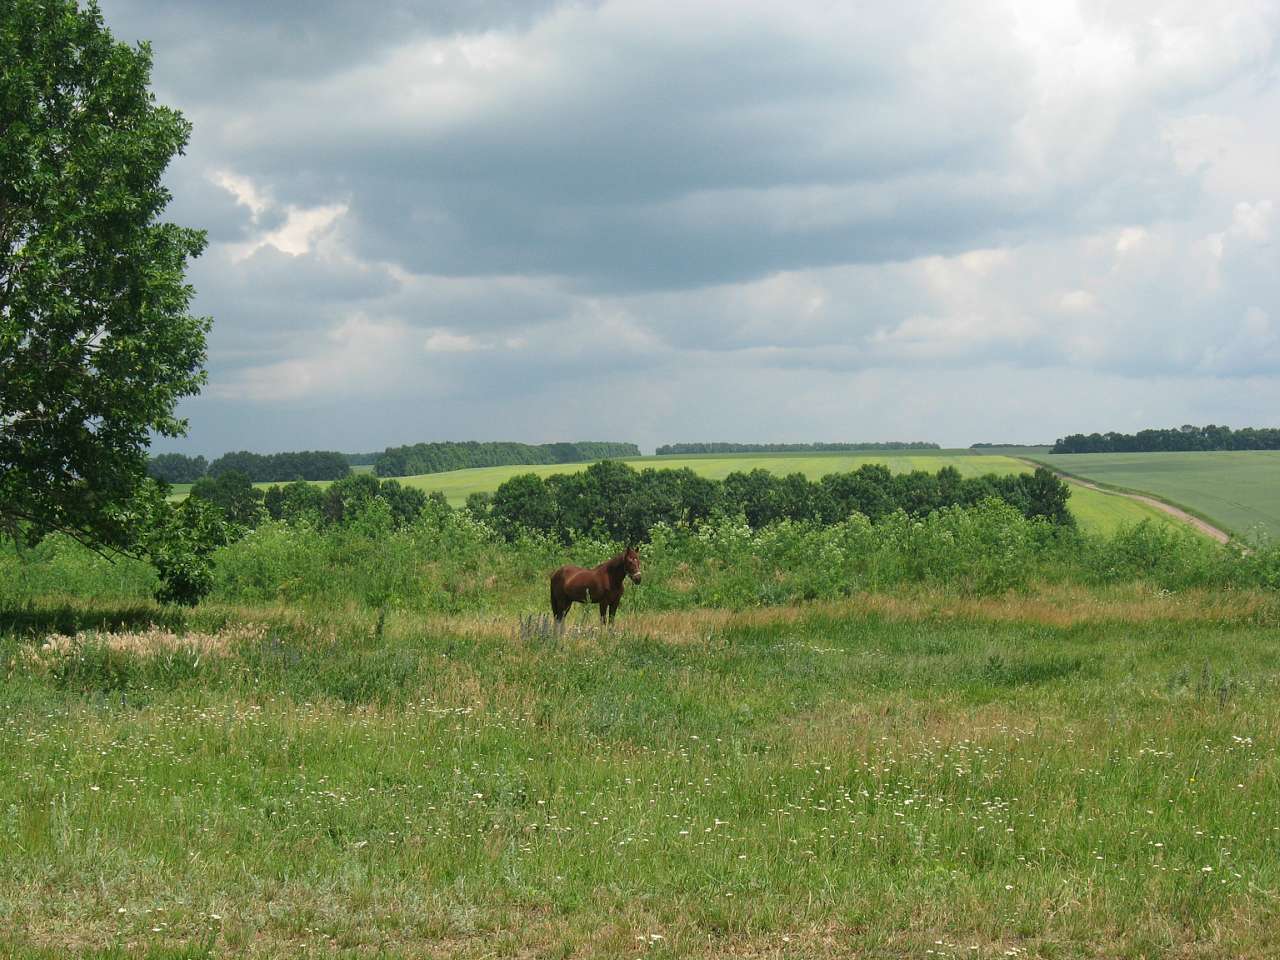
(438, 457)
(612, 499)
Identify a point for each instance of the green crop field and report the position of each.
(1237, 490)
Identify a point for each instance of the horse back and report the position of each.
(566, 573)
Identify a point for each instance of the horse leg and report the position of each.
(613, 611)
(604, 612)
(560, 606)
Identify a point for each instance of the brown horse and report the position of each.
(602, 585)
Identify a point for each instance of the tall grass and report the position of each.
(984, 737)
(448, 562)
(355, 782)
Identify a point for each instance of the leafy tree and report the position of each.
(240, 501)
(1046, 496)
(295, 502)
(478, 504)
(867, 490)
(179, 541)
(96, 342)
(176, 468)
(524, 501)
(405, 502)
(796, 497)
(346, 498)
(755, 495)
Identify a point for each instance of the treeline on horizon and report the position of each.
(677, 449)
(257, 467)
(1181, 439)
(613, 499)
(392, 462)
(1008, 446)
(438, 457)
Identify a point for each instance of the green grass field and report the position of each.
(1238, 491)
(1070, 775)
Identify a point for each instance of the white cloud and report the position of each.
(441, 341)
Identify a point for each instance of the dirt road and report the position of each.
(1208, 529)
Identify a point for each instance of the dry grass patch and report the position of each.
(151, 641)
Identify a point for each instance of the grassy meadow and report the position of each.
(1238, 491)
(968, 735)
(1079, 773)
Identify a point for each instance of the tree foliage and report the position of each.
(611, 499)
(436, 457)
(283, 467)
(96, 341)
(341, 503)
(180, 541)
(177, 468)
(239, 500)
(1186, 438)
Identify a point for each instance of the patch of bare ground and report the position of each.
(1202, 526)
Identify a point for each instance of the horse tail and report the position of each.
(557, 606)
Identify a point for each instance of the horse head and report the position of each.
(631, 564)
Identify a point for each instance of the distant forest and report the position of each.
(677, 449)
(437, 457)
(258, 467)
(1184, 438)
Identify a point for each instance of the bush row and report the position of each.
(613, 500)
(448, 561)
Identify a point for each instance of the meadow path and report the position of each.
(1208, 529)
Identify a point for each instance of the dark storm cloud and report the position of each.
(452, 206)
(208, 50)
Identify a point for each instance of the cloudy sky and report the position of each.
(724, 220)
